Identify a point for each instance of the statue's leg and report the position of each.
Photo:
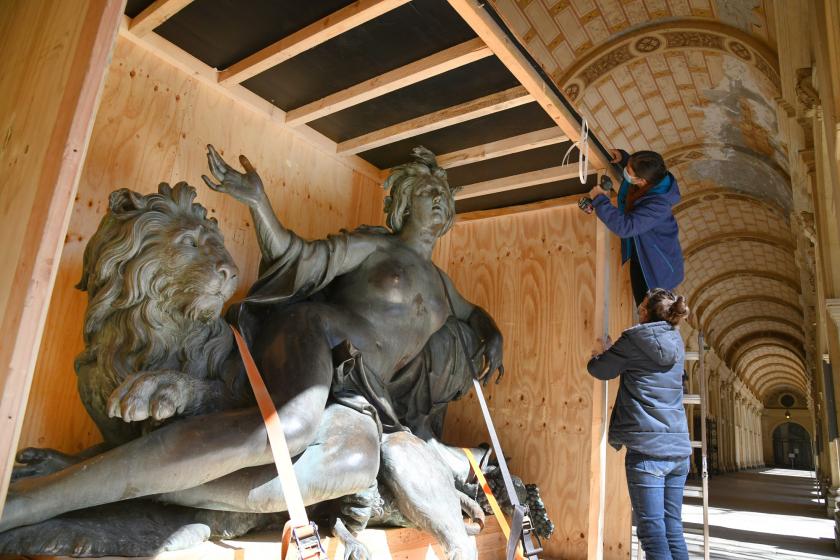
(343, 459)
(180, 455)
(296, 355)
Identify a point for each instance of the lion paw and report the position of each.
(35, 461)
(151, 394)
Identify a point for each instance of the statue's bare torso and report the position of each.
(395, 301)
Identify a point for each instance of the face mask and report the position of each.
(629, 178)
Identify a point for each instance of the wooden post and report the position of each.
(53, 68)
(600, 401)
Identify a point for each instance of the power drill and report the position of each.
(585, 203)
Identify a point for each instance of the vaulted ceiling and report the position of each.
(695, 80)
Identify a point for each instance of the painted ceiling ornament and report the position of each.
(572, 91)
(740, 50)
(700, 39)
(606, 63)
(648, 44)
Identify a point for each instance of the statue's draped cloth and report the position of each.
(416, 396)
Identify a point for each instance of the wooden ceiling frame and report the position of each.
(412, 73)
(491, 41)
(156, 14)
(309, 37)
(519, 181)
(507, 146)
(184, 61)
(473, 109)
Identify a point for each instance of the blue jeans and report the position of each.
(656, 494)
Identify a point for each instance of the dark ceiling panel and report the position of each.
(411, 32)
(513, 164)
(134, 7)
(221, 32)
(469, 82)
(497, 126)
(528, 195)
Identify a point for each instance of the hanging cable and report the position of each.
(583, 148)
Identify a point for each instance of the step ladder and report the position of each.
(694, 491)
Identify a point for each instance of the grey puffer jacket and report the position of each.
(648, 416)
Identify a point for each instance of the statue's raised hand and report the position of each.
(245, 187)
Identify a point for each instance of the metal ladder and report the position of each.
(701, 491)
(692, 491)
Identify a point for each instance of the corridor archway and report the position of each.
(792, 447)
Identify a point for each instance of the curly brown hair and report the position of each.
(663, 305)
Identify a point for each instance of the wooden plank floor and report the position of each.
(384, 544)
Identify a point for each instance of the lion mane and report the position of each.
(132, 323)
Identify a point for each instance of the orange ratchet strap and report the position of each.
(300, 536)
(494, 505)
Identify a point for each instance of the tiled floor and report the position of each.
(762, 514)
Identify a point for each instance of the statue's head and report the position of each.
(158, 253)
(415, 179)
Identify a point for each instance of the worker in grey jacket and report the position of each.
(649, 419)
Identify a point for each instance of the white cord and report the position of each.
(583, 147)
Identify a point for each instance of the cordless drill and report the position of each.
(585, 203)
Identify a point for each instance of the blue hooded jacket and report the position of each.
(648, 416)
(651, 227)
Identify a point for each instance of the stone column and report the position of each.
(730, 428)
(739, 437)
(751, 434)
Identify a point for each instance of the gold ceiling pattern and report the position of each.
(695, 80)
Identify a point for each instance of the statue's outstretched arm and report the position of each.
(485, 327)
(274, 239)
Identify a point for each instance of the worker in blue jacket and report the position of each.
(645, 221)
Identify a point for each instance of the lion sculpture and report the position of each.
(157, 275)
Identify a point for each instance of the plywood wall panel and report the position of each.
(535, 272)
(152, 126)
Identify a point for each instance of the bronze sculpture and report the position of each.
(363, 314)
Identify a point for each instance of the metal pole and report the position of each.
(705, 468)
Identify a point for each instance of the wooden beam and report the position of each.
(173, 55)
(520, 181)
(474, 109)
(521, 209)
(54, 69)
(482, 23)
(157, 13)
(507, 146)
(423, 69)
(309, 37)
